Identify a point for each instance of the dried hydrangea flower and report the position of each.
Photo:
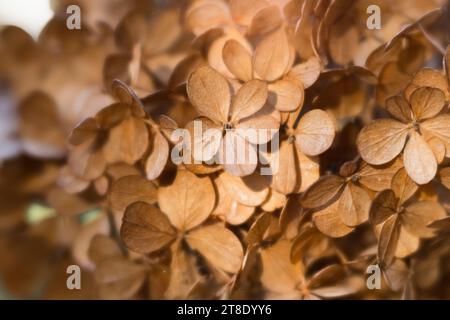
(293, 282)
(210, 94)
(295, 164)
(116, 275)
(416, 122)
(342, 202)
(272, 61)
(118, 133)
(403, 223)
(147, 229)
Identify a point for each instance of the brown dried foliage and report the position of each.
(360, 176)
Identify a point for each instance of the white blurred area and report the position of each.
(30, 15)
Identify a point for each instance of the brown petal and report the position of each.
(250, 191)
(167, 125)
(436, 145)
(158, 157)
(396, 275)
(291, 217)
(84, 131)
(419, 215)
(112, 115)
(264, 21)
(238, 60)
(119, 278)
(348, 168)
(325, 190)
(383, 206)
(279, 274)
(348, 287)
(315, 132)
(309, 170)
(205, 139)
(145, 228)
(244, 11)
(127, 142)
(202, 168)
(127, 96)
(391, 81)
(290, 118)
(307, 72)
(326, 276)
(272, 56)
(86, 161)
(378, 178)
(399, 108)
(184, 68)
(381, 141)
(209, 92)
(218, 245)
(229, 209)
(275, 201)
(407, 243)
(286, 95)
(331, 282)
(119, 170)
(258, 230)
(354, 205)
(328, 221)
(440, 127)
(261, 127)
(237, 213)
(203, 15)
(427, 102)
(403, 186)
(427, 77)
(419, 160)
(249, 99)
(215, 51)
(102, 248)
(285, 179)
(387, 244)
(184, 273)
(308, 242)
(130, 189)
(196, 200)
(237, 155)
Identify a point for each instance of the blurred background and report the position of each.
(29, 15)
(51, 78)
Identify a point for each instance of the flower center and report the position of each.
(355, 178)
(227, 126)
(291, 139)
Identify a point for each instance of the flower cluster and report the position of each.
(349, 168)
